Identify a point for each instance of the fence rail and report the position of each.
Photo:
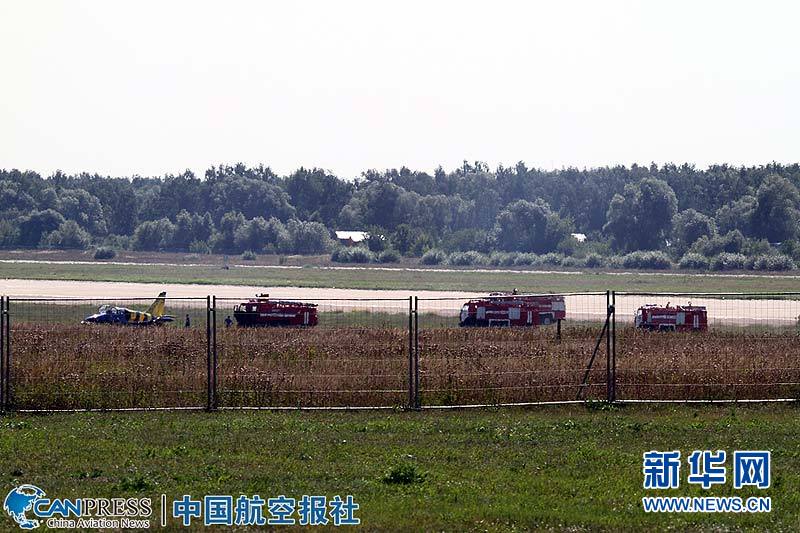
(386, 353)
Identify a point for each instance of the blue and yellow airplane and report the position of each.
(108, 314)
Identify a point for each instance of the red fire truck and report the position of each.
(672, 318)
(508, 309)
(261, 311)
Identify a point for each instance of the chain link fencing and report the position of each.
(312, 353)
(56, 358)
(399, 353)
(748, 350)
(468, 354)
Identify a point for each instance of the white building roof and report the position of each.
(355, 236)
(580, 237)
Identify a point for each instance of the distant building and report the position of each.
(351, 238)
(580, 237)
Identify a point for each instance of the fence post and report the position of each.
(215, 402)
(613, 346)
(609, 393)
(8, 354)
(417, 398)
(2, 353)
(410, 352)
(209, 399)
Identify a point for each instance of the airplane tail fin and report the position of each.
(157, 307)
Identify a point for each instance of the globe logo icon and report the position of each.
(21, 500)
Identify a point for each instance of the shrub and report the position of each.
(694, 261)
(526, 259)
(105, 253)
(249, 255)
(753, 247)
(469, 258)
(377, 242)
(572, 262)
(773, 262)
(552, 259)
(69, 235)
(509, 259)
(433, 257)
(357, 254)
(467, 239)
(614, 261)
(405, 474)
(728, 261)
(790, 248)
(502, 258)
(389, 256)
(199, 247)
(117, 242)
(652, 260)
(593, 260)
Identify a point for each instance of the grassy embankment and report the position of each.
(402, 278)
(497, 470)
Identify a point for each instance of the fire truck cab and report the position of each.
(262, 311)
(671, 318)
(508, 309)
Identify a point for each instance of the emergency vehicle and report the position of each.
(672, 318)
(263, 311)
(508, 309)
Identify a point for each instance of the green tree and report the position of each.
(737, 215)
(38, 223)
(318, 195)
(84, 208)
(308, 237)
(191, 228)
(776, 216)
(69, 235)
(525, 226)
(641, 217)
(225, 240)
(259, 233)
(687, 227)
(153, 235)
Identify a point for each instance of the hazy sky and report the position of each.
(154, 87)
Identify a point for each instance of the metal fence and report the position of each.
(395, 353)
(510, 365)
(749, 351)
(356, 356)
(53, 361)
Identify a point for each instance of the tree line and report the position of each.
(686, 214)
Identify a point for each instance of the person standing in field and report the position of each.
(188, 322)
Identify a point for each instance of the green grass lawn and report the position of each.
(558, 468)
(412, 279)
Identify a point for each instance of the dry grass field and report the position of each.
(63, 366)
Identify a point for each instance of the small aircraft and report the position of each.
(108, 314)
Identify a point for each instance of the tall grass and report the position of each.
(57, 366)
